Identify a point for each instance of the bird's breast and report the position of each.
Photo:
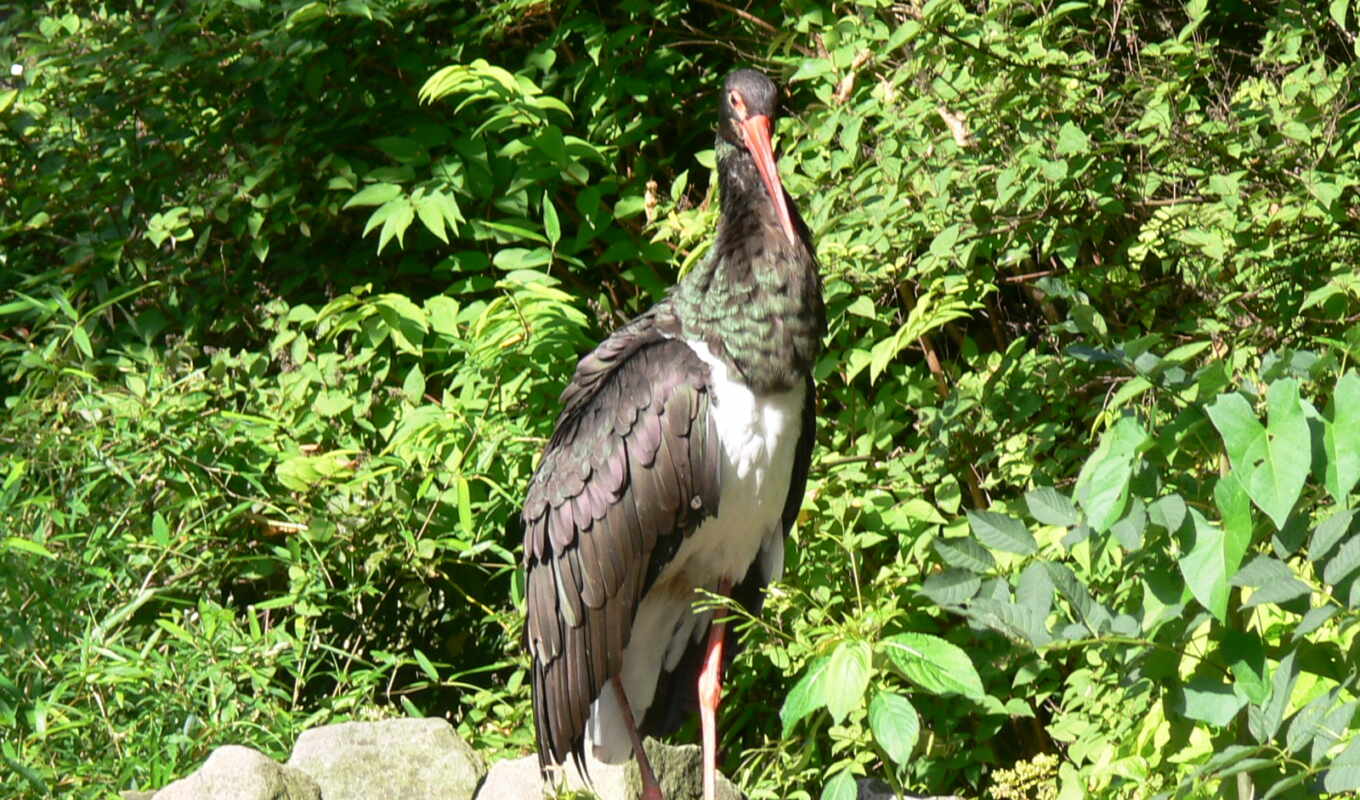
(759, 436)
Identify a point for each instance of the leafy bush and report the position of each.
(289, 290)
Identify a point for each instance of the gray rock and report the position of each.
(678, 770)
(395, 759)
(233, 772)
(876, 789)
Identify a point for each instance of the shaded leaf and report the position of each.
(1002, 532)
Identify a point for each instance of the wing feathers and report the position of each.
(634, 460)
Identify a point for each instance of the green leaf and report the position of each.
(414, 384)
(1304, 726)
(1272, 579)
(1246, 657)
(1344, 773)
(1264, 720)
(1341, 439)
(552, 227)
(1345, 561)
(808, 695)
(1210, 701)
(1103, 483)
(1002, 532)
(374, 195)
(1051, 507)
(1168, 512)
(841, 787)
(1072, 140)
(425, 665)
(895, 725)
(849, 668)
(933, 664)
(28, 546)
(332, 402)
(1337, 10)
(1271, 461)
(964, 553)
(513, 258)
(951, 587)
(1235, 507)
(396, 216)
(1210, 560)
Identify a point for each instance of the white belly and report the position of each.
(758, 438)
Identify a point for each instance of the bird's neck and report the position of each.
(756, 299)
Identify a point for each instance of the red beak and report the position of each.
(756, 131)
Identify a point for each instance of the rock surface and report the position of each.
(398, 759)
(677, 770)
(241, 773)
(876, 789)
(424, 759)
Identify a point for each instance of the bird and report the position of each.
(676, 467)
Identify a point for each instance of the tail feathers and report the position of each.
(606, 729)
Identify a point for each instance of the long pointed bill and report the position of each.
(756, 131)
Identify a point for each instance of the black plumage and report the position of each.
(638, 462)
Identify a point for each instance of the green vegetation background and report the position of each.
(288, 290)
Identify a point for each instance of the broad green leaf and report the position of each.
(1314, 619)
(1271, 461)
(1072, 140)
(964, 553)
(332, 402)
(1345, 561)
(1209, 562)
(1264, 720)
(1341, 440)
(1051, 507)
(1272, 579)
(1103, 483)
(933, 664)
(1169, 512)
(1337, 10)
(1332, 729)
(841, 787)
(1210, 701)
(1035, 590)
(414, 385)
(951, 587)
(1304, 725)
(1246, 657)
(895, 725)
(1002, 532)
(1235, 507)
(1022, 623)
(848, 676)
(807, 695)
(1344, 773)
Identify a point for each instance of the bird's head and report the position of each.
(750, 102)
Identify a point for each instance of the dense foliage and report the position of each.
(287, 292)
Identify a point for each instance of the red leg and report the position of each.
(710, 694)
(651, 790)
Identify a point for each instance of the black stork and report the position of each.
(678, 464)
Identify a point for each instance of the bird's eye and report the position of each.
(735, 100)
